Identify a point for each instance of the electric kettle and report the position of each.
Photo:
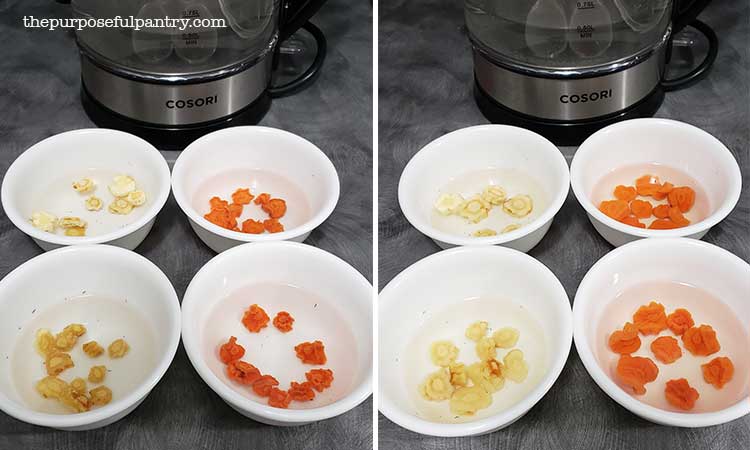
(209, 68)
(566, 68)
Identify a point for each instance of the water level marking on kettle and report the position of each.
(585, 5)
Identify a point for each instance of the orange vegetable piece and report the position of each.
(235, 210)
(302, 392)
(663, 191)
(262, 199)
(647, 185)
(273, 226)
(636, 372)
(278, 398)
(625, 341)
(625, 193)
(217, 203)
(679, 321)
(320, 379)
(253, 227)
(263, 385)
(255, 319)
(283, 321)
(662, 224)
(679, 394)
(633, 221)
(242, 197)
(675, 215)
(231, 351)
(666, 349)
(311, 352)
(222, 218)
(682, 197)
(616, 209)
(641, 209)
(661, 211)
(651, 318)
(242, 372)
(701, 341)
(275, 207)
(718, 372)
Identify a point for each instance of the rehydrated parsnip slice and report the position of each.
(44, 221)
(94, 203)
(52, 387)
(486, 348)
(97, 374)
(120, 206)
(136, 198)
(511, 227)
(100, 395)
(75, 231)
(118, 348)
(518, 206)
(459, 376)
(84, 185)
(515, 367)
(494, 195)
(57, 362)
(448, 204)
(44, 342)
(437, 386)
(93, 349)
(71, 222)
(78, 385)
(484, 232)
(67, 338)
(475, 209)
(506, 337)
(466, 401)
(476, 330)
(122, 185)
(487, 374)
(443, 353)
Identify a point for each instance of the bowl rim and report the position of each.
(556, 203)
(251, 130)
(134, 397)
(39, 148)
(190, 341)
(606, 384)
(515, 412)
(725, 208)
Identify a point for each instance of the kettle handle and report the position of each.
(295, 14)
(685, 12)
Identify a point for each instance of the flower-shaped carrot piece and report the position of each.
(253, 227)
(701, 341)
(679, 321)
(718, 372)
(682, 197)
(302, 392)
(262, 199)
(675, 215)
(680, 394)
(661, 211)
(311, 352)
(242, 197)
(263, 385)
(320, 379)
(662, 224)
(278, 398)
(235, 210)
(666, 349)
(242, 372)
(231, 351)
(273, 226)
(275, 207)
(625, 341)
(651, 318)
(647, 185)
(625, 193)
(663, 191)
(255, 319)
(222, 218)
(641, 209)
(636, 372)
(283, 321)
(633, 221)
(217, 203)
(616, 209)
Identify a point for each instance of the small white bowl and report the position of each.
(656, 141)
(65, 157)
(47, 281)
(444, 280)
(479, 148)
(234, 157)
(340, 292)
(680, 260)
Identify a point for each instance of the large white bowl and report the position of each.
(447, 278)
(313, 270)
(681, 260)
(102, 270)
(254, 148)
(80, 150)
(656, 141)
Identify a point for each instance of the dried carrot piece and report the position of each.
(320, 379)
(636, 372)
(311, 352)
(701, 341)
(663, 191)
(718, 372)
(625, 193)
(283, 321)
(217, 203)
(682, 197)
(625, 341)
(666, 349)
(675, 215)
(242, 372)
(262, 199)
(275, 207)
(651, 318)
(231, 351)
(641, 209)
(273, 226)
(680, 394)
(616, 209)
(679, 321)
(661, 211)
(253, 226)
(242, 197)
(263, 385)
(662, 224)
(647, 185)
(278, 398)
(302, 392)
(235, 210)
(222, 218)
(633, 221)
(255, 319)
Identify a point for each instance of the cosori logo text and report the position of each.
(190, 21)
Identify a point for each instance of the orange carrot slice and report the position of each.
(616, 209)
(273, 226)
(625, 193)
(661, 211)
(662, 224)
(625, 341)
(255, 319)
(679, 321)
(263, 385)
(231, 351)
(253, 226)
(242, 372)
(311, 352)
(680, 394)
(663, 191)
(275, 207)
(320, 379)
(242, 196)
(718, 372)
(641, 209)
(701, 341)
(302, 392)
(636, 372)
(651, 318)
(647, 185)
(283, 321)
(682, 197)
(675, 215)
(666, 349)
(278, 398)
(633, 221)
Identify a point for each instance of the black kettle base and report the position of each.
(562, 133)
(165, 137)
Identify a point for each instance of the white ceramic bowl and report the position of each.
(444, 280)
(341, 317)
(475, 149)
(255, 157)
(681, 260)
(65, 157)
(47, 281)
(656, 141)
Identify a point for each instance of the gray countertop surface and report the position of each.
(425, 74)
(39, 97)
